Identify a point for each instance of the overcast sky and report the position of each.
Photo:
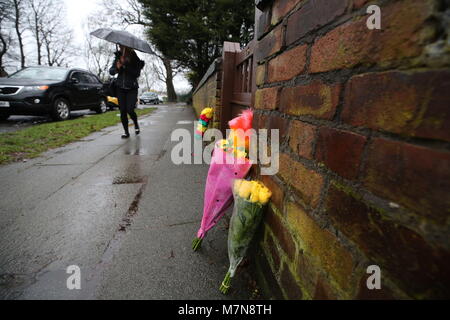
(77, 13)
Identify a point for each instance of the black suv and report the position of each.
(50, 90)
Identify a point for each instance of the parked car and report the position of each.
(50, 90)
(149, 97)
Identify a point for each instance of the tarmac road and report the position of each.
(119, 210)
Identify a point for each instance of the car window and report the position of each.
(77, 75)
(85, 78)
(92, 79)
(40, 73)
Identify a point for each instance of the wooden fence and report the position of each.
(238, 85)
(229, 85)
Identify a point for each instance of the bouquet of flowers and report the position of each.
(250, 199)
(227, 163)
(203, 122)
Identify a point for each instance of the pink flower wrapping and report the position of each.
(223, 170)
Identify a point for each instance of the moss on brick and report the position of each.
(322, 246)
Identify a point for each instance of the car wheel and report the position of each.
(103, 107)
(4, 117)
(61, 109)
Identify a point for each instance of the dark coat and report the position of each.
(129, 73)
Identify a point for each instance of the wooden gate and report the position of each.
(238, 81)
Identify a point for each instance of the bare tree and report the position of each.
(18, 16)
(5, 33)
(149, 78)
(57, 37)
(166, 73)
(98, 53)
(129, 12)
(36, 19)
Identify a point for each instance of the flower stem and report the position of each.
(225, 286)
(196, 244)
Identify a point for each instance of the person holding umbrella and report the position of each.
(128, 67)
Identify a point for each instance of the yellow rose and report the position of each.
(254, 197)
(264, 196)
(264, 189)
(255, 187)
(245, 189)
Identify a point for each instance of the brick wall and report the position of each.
(207, 94)
(364, 168)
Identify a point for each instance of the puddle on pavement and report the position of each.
(137, 152)
(134, 148)
(145, 123)
(127, 180)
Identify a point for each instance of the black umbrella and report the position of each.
(124, 38)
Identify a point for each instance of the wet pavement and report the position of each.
(119, 210)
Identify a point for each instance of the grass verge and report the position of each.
(31, 142)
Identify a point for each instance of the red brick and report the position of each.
(270, 244)
(289, 285)
(270, 44)
(264, 275)
(281, 8)
(277, 192)
(403, 35)
(301, 138)
(307, 272)
(263, 23)
(316, 99)
(281, 233)
(267, 98)
(260, 74)
(279, 123)
(359, 3)
(341, 151)
(287, 65)
(259, 121)
(323, 290)
(407, 103)
(322, 245)
(419, 269)
(413, 176)
(312, 15)
(307, 182)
